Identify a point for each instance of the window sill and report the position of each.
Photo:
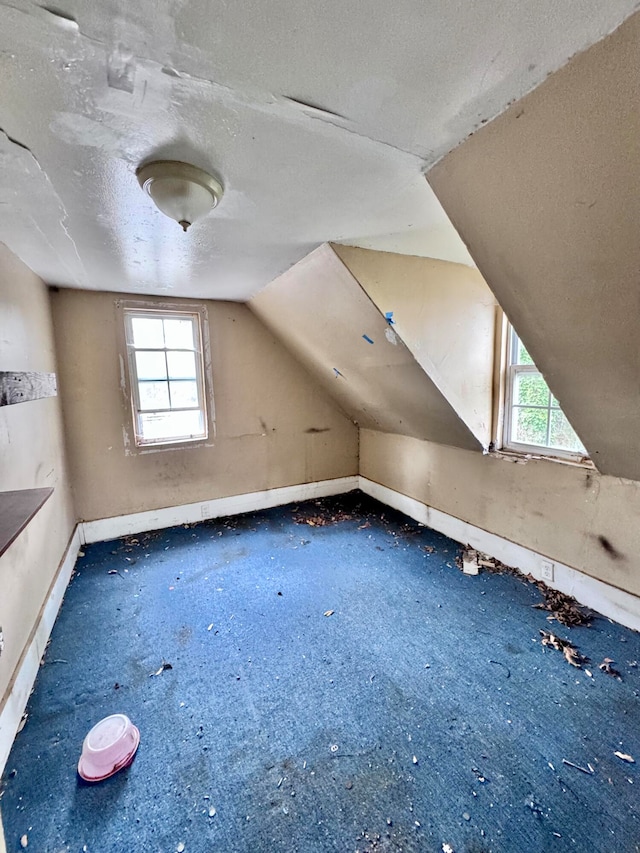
(185, 444)
(521, 457)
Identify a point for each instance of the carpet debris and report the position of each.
(563, 608)
(499, 663)
(24, 841)
(588, 771)
(165, 665)
(605, 666)
(447, 848)
(570, 652)
(329, 612)
(624, 757)
(470, 564)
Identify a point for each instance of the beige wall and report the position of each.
(318, 309)
(274, 427)
(31, 456)
(445, 314)
(546, 198)
(555, 509)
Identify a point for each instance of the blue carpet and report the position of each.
(424, 711)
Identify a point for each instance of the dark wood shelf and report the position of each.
(16, 511)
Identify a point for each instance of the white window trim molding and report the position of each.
(131, 448)
(503, 442)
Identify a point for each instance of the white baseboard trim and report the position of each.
(139, 522)
(29, 664)
(622, 607)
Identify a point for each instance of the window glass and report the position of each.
(534, 419)
(167, 376)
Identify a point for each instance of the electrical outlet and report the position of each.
(204, 509)
(546, 567)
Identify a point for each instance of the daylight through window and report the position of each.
(167, 376)
(534, 420)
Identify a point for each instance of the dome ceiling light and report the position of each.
(182, 192)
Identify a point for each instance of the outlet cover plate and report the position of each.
(546, 567)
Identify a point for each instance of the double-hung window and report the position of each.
(534, 421)
(166, 369)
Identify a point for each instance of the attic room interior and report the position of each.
(320, 427)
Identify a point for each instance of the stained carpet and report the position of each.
(336, 685)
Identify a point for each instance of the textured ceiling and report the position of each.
(320, 118)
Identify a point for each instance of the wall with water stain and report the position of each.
(273, 426)
(567, 512)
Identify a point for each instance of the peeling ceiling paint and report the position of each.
(321, 120)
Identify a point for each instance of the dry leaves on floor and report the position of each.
(570, 652)
(605, 666)
(563, 608)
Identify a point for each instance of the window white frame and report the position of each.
(511, 373)
(198, 317)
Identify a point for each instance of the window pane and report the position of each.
(147, 332)
(178, 334)
(153, 395)
(172, 425)
(151, 365)
(529, 426)
(182, 365)
(521, 356)
(183, 394)
(562, 434)
(531, 389)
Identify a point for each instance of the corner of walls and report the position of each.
(574, 516)
(274, 428)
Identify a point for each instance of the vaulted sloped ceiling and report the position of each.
(445, 315)
(320, 119)
(338, 331)
(547, 198)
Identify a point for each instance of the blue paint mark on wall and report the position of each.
(337, 372)
(389, 318)
(367, 339)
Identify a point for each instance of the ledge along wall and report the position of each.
(273, 426)
(32, 456)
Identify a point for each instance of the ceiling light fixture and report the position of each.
(180, 191)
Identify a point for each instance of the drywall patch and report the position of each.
(391, 336)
